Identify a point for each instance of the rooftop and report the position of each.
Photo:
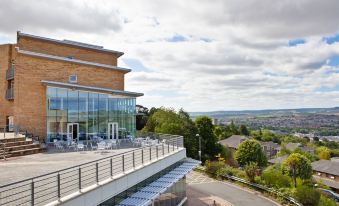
(326, 166)
(233, 141)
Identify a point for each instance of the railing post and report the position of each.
(150, 153)
(168, 145)
(177, 143)
(156, 147)
(111, 166)
(173, 144)
(32, 193)
(133, 161)
(59, 187)
(142, 156)
(97, 171)
(163, 150)
(123, 163)
(80, 179)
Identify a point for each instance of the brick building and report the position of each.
(59, 89)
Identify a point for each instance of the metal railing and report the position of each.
(51, 187)
(10, 73)
(9, 94)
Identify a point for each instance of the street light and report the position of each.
(198, 136)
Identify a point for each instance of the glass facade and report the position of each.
(90, 112)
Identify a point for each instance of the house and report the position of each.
(233, 141)
(62, 89)
(270, 148)
(293, 146)
(327, 172)
(277, 160)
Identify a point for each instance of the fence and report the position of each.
(50, 187)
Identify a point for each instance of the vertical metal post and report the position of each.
(79, 179)
(133, 161)
(157, 151)
(163, 150)
(168, 146)
(142, 155)
(173, 144)
(111, 167)
(59, 188)
(32, 193)
(177, 143)
(150, 153)
(123, 163)
(97, 171)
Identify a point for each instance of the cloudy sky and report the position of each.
(202, 55)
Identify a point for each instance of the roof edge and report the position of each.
(76, 61)
(71, 43)
(91, 88)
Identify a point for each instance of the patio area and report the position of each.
(19, 168)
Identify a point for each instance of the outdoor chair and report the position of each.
(102, 146)
(59, 146)
(71, 145)
(80, 146)
(93, 146)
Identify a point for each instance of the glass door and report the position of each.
(113, 132)
(72, 131)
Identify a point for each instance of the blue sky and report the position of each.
(220, 55)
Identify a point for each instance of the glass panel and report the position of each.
(83, 115)
(93, 114)
(73, 106)
(103, 115)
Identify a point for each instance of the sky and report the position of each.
(202, 55)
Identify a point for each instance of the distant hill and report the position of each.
(268, 112)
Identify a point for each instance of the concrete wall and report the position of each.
(47, 47)
(107, 190)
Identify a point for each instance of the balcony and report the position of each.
(10, 73)
(10, 94)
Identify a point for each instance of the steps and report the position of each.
(18, 146)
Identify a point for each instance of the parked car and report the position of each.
(329, 194)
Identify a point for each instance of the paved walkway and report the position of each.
(202, 190)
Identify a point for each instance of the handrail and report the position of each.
(58, 184)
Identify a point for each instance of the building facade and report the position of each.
(59, 89)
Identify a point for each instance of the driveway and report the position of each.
(202, 190)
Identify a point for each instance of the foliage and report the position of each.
(307, 196)
(233, 128)
(323, 153)
(334, 152)
(297, 165)
(273, 177)
(308, 155)
(325, 201)
(283, 150)
(250, 151)
(243, 130)
(142, 116)
(251, 170)
(213, 166)
(228, 170)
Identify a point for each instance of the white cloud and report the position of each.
(245, 64)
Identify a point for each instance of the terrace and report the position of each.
(56, 177)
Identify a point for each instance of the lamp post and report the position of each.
(198, 136)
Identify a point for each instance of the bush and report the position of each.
(214, 166)
(226, 170)
(325, 201)
(273, 177)
(251, 170)
(307, 195)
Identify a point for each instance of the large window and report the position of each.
(92, 111)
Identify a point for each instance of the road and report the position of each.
(202, 191)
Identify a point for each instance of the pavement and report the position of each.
(19, 168)
(203, 190)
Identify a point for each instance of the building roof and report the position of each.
(75, 61)
(326, 166)
(292, 146)
(270, 144)
(90, 88)
(328, 182)
(278, 160)
(71, 43)
(233, 141)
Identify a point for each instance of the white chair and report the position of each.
(102, 146)
(59, 146)
(80, 146)
(93, 147)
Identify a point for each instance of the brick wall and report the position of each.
(46, 47)
(6, 107)
(30, 94)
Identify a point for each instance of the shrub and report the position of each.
(213, 166)
(273, 177)
(251, 170)
(226, 170)
(325, 201)
(307, 195)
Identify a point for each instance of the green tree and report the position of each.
(233, 128)
(323, 153)
(273, 177)
(243, 130)
(141, 117)
(251, 170)
(325, 201)
(307, 196)
(297, 165)
(250, 151)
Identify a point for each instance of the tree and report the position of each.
(323, 153)
(243, 130)
(141, 117)
(273, 177)
(250, 151)
(297, 165)
(251, 170)
(307, 196)
(233, 128)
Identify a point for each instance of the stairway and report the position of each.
(18, 146)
